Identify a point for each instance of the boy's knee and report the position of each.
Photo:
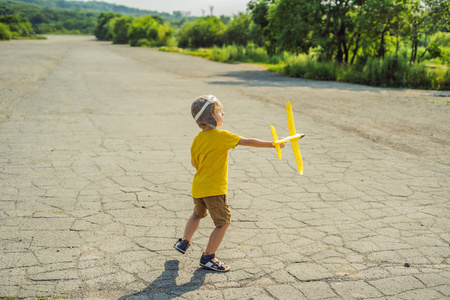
(222, 225)
(196, 216)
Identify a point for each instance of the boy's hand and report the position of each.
(282, 145)
(258, 143)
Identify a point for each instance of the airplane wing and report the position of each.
(290, 119)
(293, 138)
(298, 156)
(295, 146)
(275, 138)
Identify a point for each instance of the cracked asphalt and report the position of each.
(95, 180)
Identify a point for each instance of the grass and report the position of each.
(68, 32)
(203, 52)
(392, 71)
(32, 37)
(438, 101)
(276, 68)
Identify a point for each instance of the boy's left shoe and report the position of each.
(182, 245)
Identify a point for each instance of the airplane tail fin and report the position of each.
(275, 138)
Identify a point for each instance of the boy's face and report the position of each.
(219, 115)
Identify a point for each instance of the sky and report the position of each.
(221, 7)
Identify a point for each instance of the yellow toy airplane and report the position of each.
(293, 138)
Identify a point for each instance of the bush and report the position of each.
(417, 77)
(390, 71)
(109, 29)
(393, 71)
(120, 31)
(150, 29)
(396, 71)
(17, 26)
(143, 43)
(45, 28)
(104, 29)
(203, 32)
(309, 68)
(441, 38)
(371, 72)
(250, 53)
(442, 80)
(445, 56)
(237, 31)
(5, 34)
(434, 50)
(220, 54)
(165, 35)
(257, 54)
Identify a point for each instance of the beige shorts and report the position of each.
(217, 206)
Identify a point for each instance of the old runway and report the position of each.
(95, 181)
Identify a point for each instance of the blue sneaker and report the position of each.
(182, 245)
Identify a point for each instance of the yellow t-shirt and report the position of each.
(209, 154)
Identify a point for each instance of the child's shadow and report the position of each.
(165, 286)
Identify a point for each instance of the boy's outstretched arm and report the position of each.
(257, 143)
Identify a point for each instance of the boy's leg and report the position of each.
(216, 238)
(209, 259)
(191, 227)
(221, 215)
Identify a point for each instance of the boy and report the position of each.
(209, 156)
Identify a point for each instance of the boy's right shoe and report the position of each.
(207, 262)
(182, 245)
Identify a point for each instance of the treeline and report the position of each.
(344, 31)
(13, 27)
(64, 17)
(150, 31)
(376, 42)
(198, 33)
(90, 5)
(45, 19)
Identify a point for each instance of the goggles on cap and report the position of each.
(210, 99)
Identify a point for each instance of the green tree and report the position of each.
(292, 23)
(45, 28)
(121, 30)
(18, 26)
(225, 20)
(158, 19)
(237, 31)
(38, 18)
(337, 27)
(5, 9)
(424, 17)
(259, 30)
(5, 34)
(103, 30)
(379, 18)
